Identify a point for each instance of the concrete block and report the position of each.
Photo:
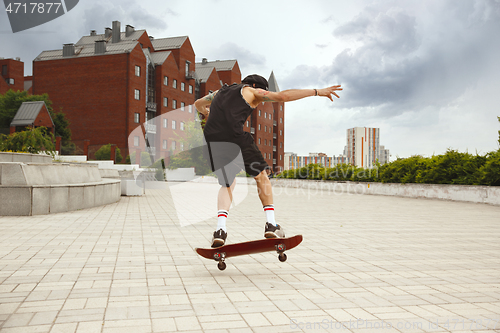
(109, 173)
(99, 195)
(12, 174)
(45, 159)
(76, 198)
(129, 187)
(23, 158)
(41, 201)
(180, 174)
(33, 174)
(50, 174)
(108, 194)
(89, 196)
(15, 201)
(5, 157)
(59, 199)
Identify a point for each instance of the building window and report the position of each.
(190, 89)
(190, 109)
(4, 70)
(136, 141)
(165, 144)
(173, 145)
(137, 94)
(137, 118)
(174, 104)
(281, 132)
(259, 127)
(281, 157)
(181, 125)
(281, 107)
(247, 123)
(182, 146)
(265, 115)
(260, 113)
(265, 142)
(165, 80)
(174, 84)
(183, 106)
(165, 101)
(137, 71)
(259, 141)
(281, 120)
(187, 68)
(165, 123)
(265, 128)
(174, 125)
(183, 86)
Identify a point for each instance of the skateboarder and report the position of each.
(226, 110)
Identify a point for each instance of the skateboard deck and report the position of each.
(279, 245)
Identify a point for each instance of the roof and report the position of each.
(135, 35)
(203, 73)
(159, 58)
(87, 50)
(168, 43)
(27, 113)
(220, 65)
(273, 84)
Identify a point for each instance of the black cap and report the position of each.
(258, 80)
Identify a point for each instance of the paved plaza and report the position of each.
(367, 264)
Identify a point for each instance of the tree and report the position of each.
(30, 141)
(12, 100)
(104, 153)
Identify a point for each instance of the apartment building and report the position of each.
(12, 72)
(112, 83)
(294, 161)
(363, 146)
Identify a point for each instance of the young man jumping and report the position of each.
(226, 110)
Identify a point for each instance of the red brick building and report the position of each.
(266, 122)
(12, 71)
(110, 84)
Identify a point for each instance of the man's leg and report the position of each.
(265, 192)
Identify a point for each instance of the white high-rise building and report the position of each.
(363, 146)
(384, 155)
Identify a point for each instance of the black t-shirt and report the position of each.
(228, 113)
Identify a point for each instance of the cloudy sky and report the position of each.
(425, 72)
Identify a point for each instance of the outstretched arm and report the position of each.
(203, 104)
(294, 94)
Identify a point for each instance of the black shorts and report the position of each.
(227, 159)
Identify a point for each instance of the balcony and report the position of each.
(151, 106)
(252, 130)
(274, 161)
(275, 136)
(275, 123)
(274, 148)
(190, 75)
(150, 128)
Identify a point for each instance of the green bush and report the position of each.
(104, 153)
(29, 141)
(452, 167)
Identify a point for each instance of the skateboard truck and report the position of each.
(280, 248)
(220, 257)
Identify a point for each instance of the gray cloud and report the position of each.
(402, 62)
(247, 60)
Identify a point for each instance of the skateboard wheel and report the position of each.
(282, 257)
(221, 265)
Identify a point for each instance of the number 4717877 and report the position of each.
(33, 7)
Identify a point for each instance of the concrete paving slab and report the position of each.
(367, 264)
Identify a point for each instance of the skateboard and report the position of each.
(279, 245)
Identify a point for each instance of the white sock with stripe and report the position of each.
(221, 219)
(269, 210)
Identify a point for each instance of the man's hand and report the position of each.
(328, 92)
